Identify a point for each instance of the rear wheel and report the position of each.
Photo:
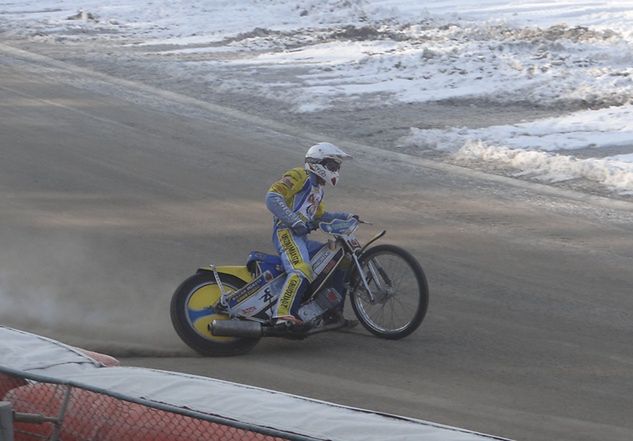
(193, 310)
(399, 292)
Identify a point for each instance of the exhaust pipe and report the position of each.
(236, 328)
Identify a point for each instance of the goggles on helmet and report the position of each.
(331, 164)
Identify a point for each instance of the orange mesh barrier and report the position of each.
(8, 382)
(90, 416)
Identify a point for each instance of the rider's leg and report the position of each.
(291, 296)
(296, 260)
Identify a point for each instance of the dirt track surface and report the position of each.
(112, 193)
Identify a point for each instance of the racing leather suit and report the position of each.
(297, 196)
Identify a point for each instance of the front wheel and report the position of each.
(398, 295)
(193, 310)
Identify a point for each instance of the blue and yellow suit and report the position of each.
(296, 196)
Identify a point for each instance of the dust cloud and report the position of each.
(88, 292)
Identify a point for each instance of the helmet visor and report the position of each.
(331, 164)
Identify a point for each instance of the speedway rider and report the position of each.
(296, 201)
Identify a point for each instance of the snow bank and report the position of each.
(580, 130)
(615, 174)
(410, 51)
(534, 148)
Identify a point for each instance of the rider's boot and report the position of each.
(289, 320)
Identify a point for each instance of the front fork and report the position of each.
(372, 299)
(370, 265)
(375, 276)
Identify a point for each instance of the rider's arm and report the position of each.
(279, 193)
(277, 206)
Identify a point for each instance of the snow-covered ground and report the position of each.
(315, 56)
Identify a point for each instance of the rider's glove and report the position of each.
(353, 216)
(312, 225)
(299, 228)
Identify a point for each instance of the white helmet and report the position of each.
(324, 160)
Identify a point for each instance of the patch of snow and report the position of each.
(617, 175)
(608, 127)
(534, 148)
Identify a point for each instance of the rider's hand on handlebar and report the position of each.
(312, 225)
(358, 219)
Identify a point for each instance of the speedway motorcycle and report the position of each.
(225, 310)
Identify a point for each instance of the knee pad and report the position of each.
(304, 269)
(292, 294)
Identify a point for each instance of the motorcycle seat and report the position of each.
(262, 261)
